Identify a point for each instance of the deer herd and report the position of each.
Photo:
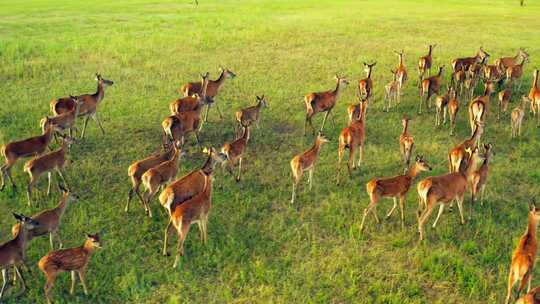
(187, 200)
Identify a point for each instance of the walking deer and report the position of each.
(457, 155)
(534, 98)
(401, 73)
(480, 176)
(441, 106)
(406, 142)
(524, 256)
(177, 127)
(352, 138)
(65, 120)
(466, 62)
(394, 187)
(365, 86)
(74, 260)
(306, 162)
(251, 115)
(192, 102)
(391, 92)
(235, 153)
(504, 98)
(458, 80)
(354, 110)
(453, 108)
(505, 62)
(479, 107)
(424, 63)
(517, 117)
(430, 86)
(515, 72)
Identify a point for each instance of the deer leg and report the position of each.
(149, 196)
(61, 174)
(86, 118)
(420, 105)
(324, 120)
(5, 280)
(205, 228)
(7, 173)
(333, 118)
(374, 198)
(459, 201)
(95, 117)
(81, 277)
(219, 111)
(482, 192)
(239, 169)
(310, 178)
(350, 161)
(361, 155)
(181, 238)
(73, 281)
(441, 209)
(60, 244)
(165, 239)
(445, 109)
(526, 277)
(18, 273)
(51, 240)
(401, 207)
(423, 217)
(206, 113)
(393, 208)
(201, 230)
(511, 282)
(29, 189)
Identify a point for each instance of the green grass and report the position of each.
(261, 249)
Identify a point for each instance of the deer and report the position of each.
(505, 62)
(524, 256)
(306, 162)
(191, 102)
(424, 63)
(354, 110)
(235, 153)
(492, 73)
(458, 80)
(453, 108)
(480, 176)
(515, 72)
(441, 107)
(391, 92)
(406, 142)
(457, 155)
(444, 189)
(473, 74)
(47, 163)
(533, 296)
(74, 260)
(352, 138)
(156, 177)
(517, 117)
(138, 168)
(401, 73)
(504, 98)
(251, 115)
(90, 102)
(365, 86)
(214, 86)
(13, 252)
(430, 86)
(479, 107)
(24, 148)
(49, 219)
(466, 62)
(534, 98)
(191, 184)
(322, 102)
(65, 120)
(395, 187)
(177, 127)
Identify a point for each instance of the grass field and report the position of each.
(262, 249)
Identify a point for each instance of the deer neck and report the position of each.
(531, 227)
(337, 90)
(469, 170)
(369, 73)
(405, 127)
(88, 247)
(61, 208)
(429, 51)
(535, 81)
(221, 79)
(412, 172)
(22, 238)
(48, 134)
(400, 60)
(100, 92)
(208, 166)
(476, 136)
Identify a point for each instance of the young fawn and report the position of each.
(429, 87)
(453, 108)
(480, 176)
(456, 157)
(13, 253)
(517, 117)
(74, 260)
(156, 177)
(49, 219)
(64, 121)
(394, 187)
(306, 162)
(251, 115)
(441, 107)
(235, 153)
(320, 102)
(46, 163)
(406, 142)
(504, 98)
(365, 86)
(424, 63)
(524, 256)
(24, 148)
(352, 138)
(391, 93)
(444, 189)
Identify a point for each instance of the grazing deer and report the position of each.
(441, 107)
(401, 72)
(65, 120)
(322, 102)
(466, 62)
(406, 142)
(430, 86)
(479, 107)
(24, 148)
(458, 153)
(13, 252)
(156, 177)
(515, 72)
(444, 189)
(524, 256)
(251, 115)
(212, 90)
(504, 98)
(74, 260)
(453, 108)
(480, 176)
(352, 138)
(391, 92)
(532, 297)
(192, 102)
(177, 127)
(235, 153)
(517, 117)
(46, 163)
(306, 162)
(49, 219)
(424, 63)
(506, 62)
(534, 98)
(138, 168)
(394, 187)
(89, 105)
(191, 184)
(365, 86)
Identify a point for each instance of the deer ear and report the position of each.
(18, 217)
(417, 158)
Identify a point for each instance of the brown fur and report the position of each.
(424, 63)
(406, 142)
(352, 138)
(322, 102)
(430, 86)
(457, 154)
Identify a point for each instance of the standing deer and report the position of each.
(466, 62)
(524, 256)
(534, 98)
(453, 108)
(458, 80)
(192, 102)
(177, 127)
(365, 86)
(479, 107)
(406, 142)
(480, 176)
(391, 92)
(74, 260)
(492, 73)
(473, 74)
(13, 252)
(322, 102)
(352, 138)
(394, 187)
(444, 189)
(306, 162)
(65, 120)
(24, 148)
(504, 98)
(441, 107)
(424, 63)
(235, 153)
(517, 117)
(515, 72)
(401, 73)
(506, 62)
(251, 115)
(430, 86)
(458, 153)
(354, 110)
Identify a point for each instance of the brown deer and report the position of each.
(517, 117)
(453, 108)
(479, 107)
(401, 73)
(504, 98)
(90, 102)
(177, 127)
(156, 177)
(492, 73)
(251, 115)
(365, 86)
(441, 107)
(65, 120)
(444, 189)
(515, 72)
(13, 252)
(524, 256)
(24, 148)
(191, 184)
(506, 62)
(235, 153)
(424, 63)
(74, 260)
(352, 138)
(457, 154)
(394, 187)
(322, 102)
(532, 297)
(473, 74)
(406, 142)
(458, 80)
(192, 102)
(138, 168)
(430, 86)
(391, 93)
(466, 62)
(480, 176)
(354, 110)
(47, 163)
(306, 162)
(534, 98)
(49, 219)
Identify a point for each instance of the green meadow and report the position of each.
(261, 248)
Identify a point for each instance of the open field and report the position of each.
(261, 248)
